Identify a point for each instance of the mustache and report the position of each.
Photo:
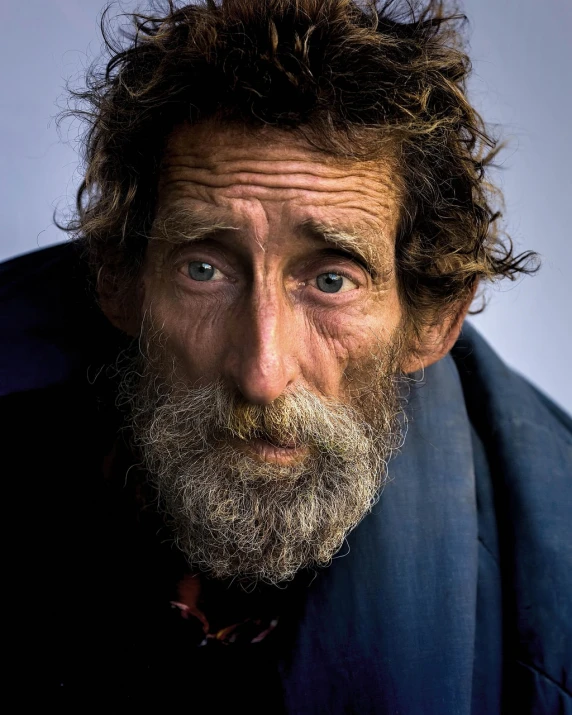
(299, 418)
(212, 414)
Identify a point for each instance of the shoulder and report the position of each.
(528, 438)
(499, 397)
(48, 317)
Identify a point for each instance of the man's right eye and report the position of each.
(201, 271)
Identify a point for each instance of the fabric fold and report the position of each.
(399, 637)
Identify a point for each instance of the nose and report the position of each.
(262, 360)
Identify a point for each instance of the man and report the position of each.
(284, 220)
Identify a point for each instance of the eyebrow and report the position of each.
(359, 244)
(182, 226)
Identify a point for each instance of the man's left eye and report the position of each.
(334, 283)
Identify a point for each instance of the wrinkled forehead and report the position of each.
(217, 176)
(210, 142)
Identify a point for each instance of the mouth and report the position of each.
(280, 453)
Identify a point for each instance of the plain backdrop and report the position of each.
(522, 58)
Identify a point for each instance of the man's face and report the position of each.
(295, 287)
(272, 337)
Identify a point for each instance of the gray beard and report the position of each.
(234, 515)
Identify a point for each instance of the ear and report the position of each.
(438, 339)
(121, 308)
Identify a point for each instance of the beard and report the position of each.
(235, 515)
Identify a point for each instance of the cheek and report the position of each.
(192, 331)
(338, 339)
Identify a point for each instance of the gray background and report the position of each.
(522, 57)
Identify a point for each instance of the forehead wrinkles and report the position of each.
(283, 182)
(240, 177)
(272, 173)
(226, 158)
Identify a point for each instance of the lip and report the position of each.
(268, 452)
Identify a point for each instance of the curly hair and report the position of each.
(348, 76)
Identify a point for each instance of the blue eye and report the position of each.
(200, 271)
(330, 282)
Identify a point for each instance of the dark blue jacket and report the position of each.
(453, 597)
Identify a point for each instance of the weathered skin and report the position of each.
(261, 323)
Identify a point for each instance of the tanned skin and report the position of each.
(263, 215)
